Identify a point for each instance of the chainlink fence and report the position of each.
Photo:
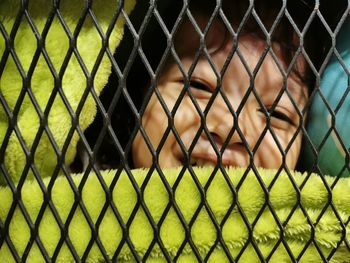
(49, 49)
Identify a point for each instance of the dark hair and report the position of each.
(299, 15)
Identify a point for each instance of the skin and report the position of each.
(252, 120)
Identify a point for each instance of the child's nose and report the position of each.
(220, 123)
(223, 136)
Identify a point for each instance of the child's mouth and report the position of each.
(201, 162)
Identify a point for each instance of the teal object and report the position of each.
(332, 157)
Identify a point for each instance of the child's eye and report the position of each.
(278, 116)
(200, 85)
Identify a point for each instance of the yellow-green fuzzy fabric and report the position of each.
(41, 82)
(283, 197)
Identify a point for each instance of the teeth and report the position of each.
(200, 162)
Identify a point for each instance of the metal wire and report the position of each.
(153, 18)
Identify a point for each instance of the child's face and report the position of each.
(266, 144)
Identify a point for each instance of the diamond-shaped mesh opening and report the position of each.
(200, 96)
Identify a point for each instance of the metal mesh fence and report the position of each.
(192, 83)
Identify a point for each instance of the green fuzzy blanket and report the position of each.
(243, 213)
(142, 216)
(44, 85)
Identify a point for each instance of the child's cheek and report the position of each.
(170, 93)
(155, 121)
(187, 116)
(269, 155)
